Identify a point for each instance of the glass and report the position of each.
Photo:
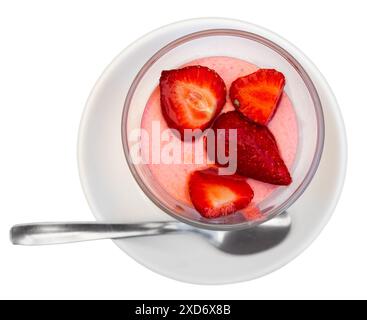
(259, 51)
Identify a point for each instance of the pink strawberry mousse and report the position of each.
(173, 177)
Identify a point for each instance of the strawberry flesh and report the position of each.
(257, 95)
(191, 97)
(257, 155)
(215, 195)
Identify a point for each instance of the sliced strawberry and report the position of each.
(257, 94)
(257, 151)
(215, 195)
(191, 97)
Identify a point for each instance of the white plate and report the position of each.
(113, 194)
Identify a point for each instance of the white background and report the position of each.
(52, 52)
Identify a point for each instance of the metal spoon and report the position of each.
(249, 241)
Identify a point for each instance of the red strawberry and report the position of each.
(191, 97)
(215, 195)
(257, 94)
(257, 151)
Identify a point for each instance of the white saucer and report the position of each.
(114, 195)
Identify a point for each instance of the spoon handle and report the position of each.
(35, 234)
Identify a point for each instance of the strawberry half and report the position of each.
(257, 151)
(256, 95)
(191, 97)
(216, 195)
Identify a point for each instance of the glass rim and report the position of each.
(305, 78)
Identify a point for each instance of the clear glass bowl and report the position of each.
(259, 51)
